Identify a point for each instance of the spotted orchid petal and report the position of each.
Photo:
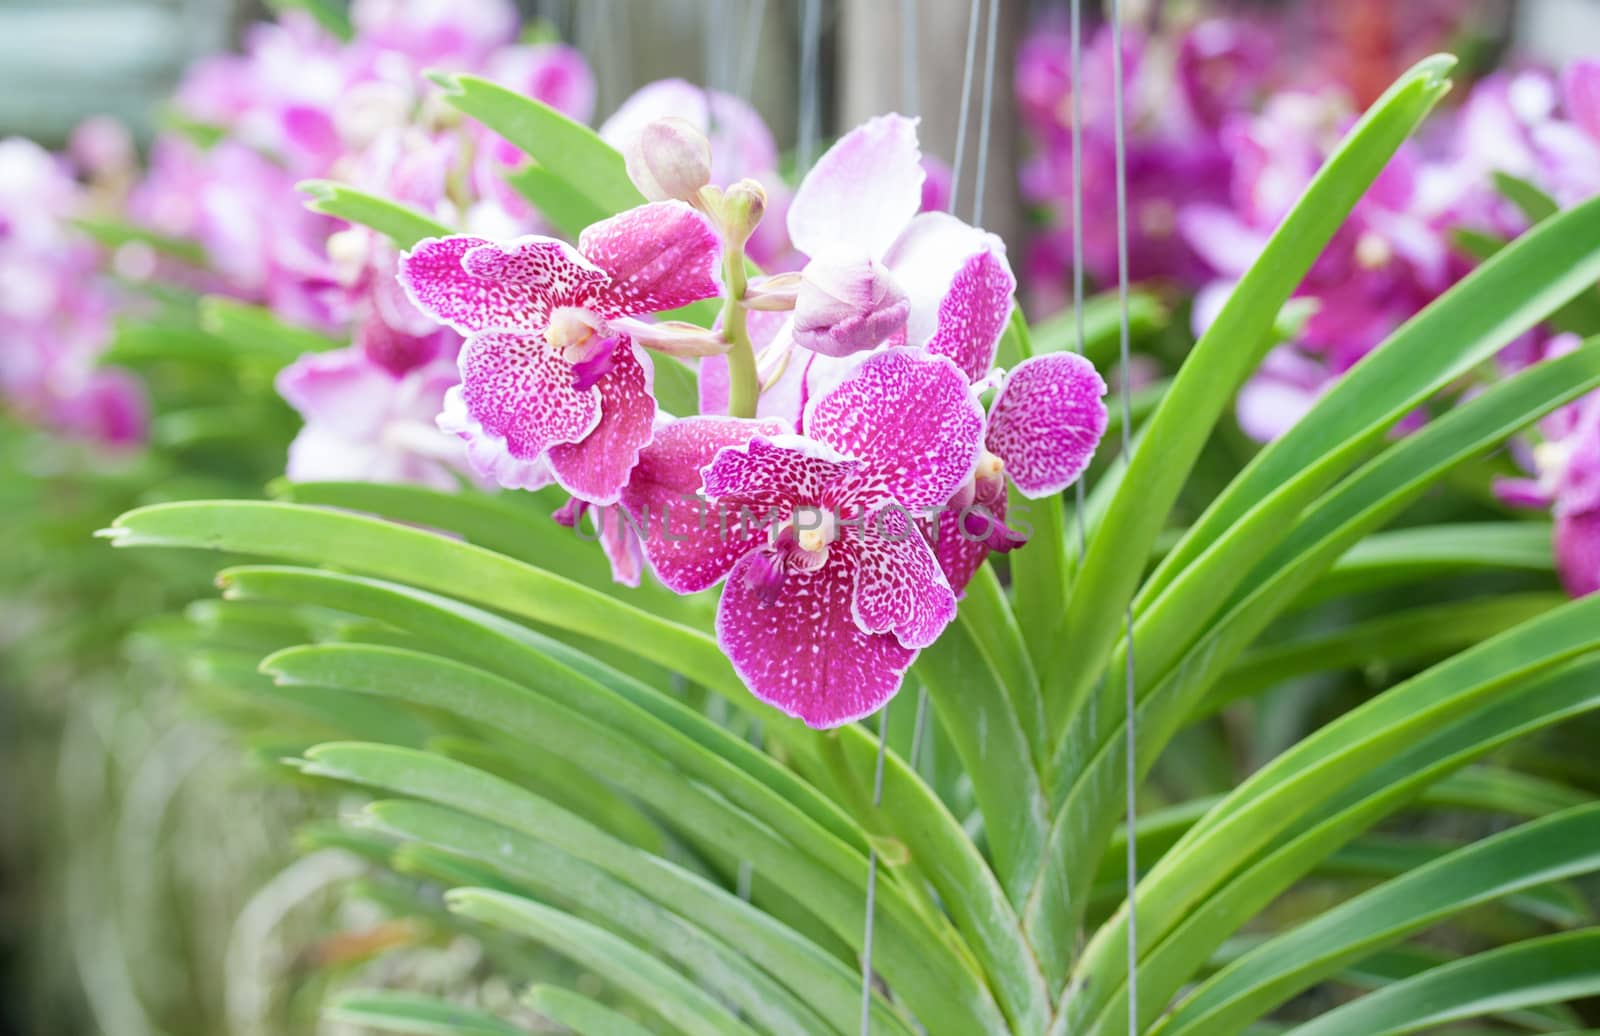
(798, 647)
(862, 193)
(487, 456)
(847, 306)
(658, 256)
(474, 285)
(775, 474)
(960, 284)
(900, 588)
(616, 533)
(595, 467)
(517, 398)
(690, 544)
(969, 530)
(1046, 422)
(1577, 546)
(911, 421)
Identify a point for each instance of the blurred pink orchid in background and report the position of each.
(55, 307)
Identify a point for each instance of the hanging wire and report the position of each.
(910, 85)
(1081, 334)
(1131, 772)
(966, 104)
(810, 46)
(872, 880)
(752, 47)
(987, 115)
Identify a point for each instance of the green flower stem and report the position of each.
(744, 383)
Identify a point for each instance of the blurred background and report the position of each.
(149, 883)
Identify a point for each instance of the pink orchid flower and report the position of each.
(552, 383)
(831, 588)
(366, 423)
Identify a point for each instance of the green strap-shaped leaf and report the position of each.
(1390, 639)
(1225, 355)
(1093, 752)
(571, 152)
(330, 14)
(1319, 830)
(550, 875)
(252, 330)
(658, 989)
(1412, 555)
(821, 979)
(580, 1014)
(1530, 199)
(1553, 969)
(1563, 846)
(114, 234)
(414, 1013)
(1501, 300)
(402, 224)
(567, 208)
(941, 851)
(832, 879)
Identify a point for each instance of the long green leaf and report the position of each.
(1562, 846)
(401, 224)
(1230, 349)
(570, 151)
(580, 1014)
(413, 1013)
(1553, 969)
(655, 987)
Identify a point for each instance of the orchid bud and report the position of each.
(845, 307)
(775, 294)
(743, 205)
(669, 160)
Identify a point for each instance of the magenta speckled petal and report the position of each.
(476, 285)
(862, 193)
(686, 542)
(1577, 544)
(797, 645)
(518, 389)
(899, 587)
(973, 314)
(779, 472)
(968, 534)
(1046, 422)
(659, 256)
(910, 419)
(487, 455)
(596, 467)
(926, 261)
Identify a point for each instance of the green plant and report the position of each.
(554, 762)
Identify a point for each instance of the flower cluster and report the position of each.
(55, 308)
(844, 479)
(300, 104)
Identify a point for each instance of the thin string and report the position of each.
(966, 104)
(1130, 775)
(810, 45)
(910, 86)
(1081, 335)
(872, 881)
(752, 47)
(986, 118)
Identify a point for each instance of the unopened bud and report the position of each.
(743, 205)
(847, 306)
(669, 160)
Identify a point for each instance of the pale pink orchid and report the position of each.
(554, 386)
(364, 422)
